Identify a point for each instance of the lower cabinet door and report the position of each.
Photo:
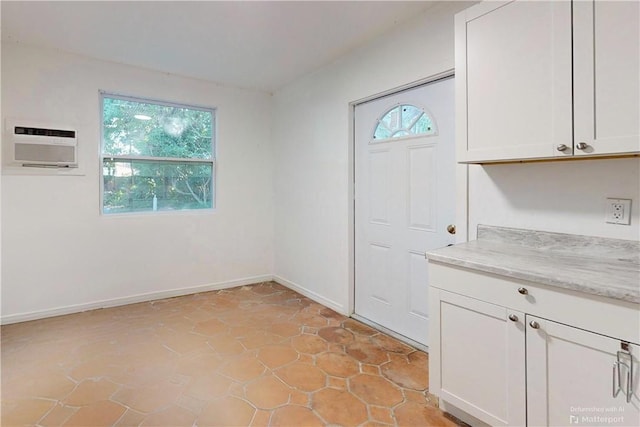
(576, 377)
(482, 359)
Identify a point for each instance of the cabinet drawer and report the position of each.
(614, 318)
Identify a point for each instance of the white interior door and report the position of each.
(404, 202)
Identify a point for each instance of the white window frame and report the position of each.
(211, 161)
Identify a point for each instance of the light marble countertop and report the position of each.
(593, 265)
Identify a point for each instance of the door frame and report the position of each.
(462, 180)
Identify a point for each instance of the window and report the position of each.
(404, 120)
(156, 156)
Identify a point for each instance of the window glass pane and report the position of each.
(382, 132)
(423, 125)
(402, 121)
(400, 133)
(144, 186)
(391, 119)
(409, 115)
(139, 128)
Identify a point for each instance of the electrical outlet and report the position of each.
(618, 211)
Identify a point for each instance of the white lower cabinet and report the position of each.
(483, 371)
(496, 358)
(578, 377)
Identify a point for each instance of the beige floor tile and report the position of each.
(255, 355)
(339, 407)
(267, 393)
(171, 416)
(293, 415)
(302, 376)
(261, 419)
(24, 411)
(210, 327)
(310, 344)
(57, 416)
(101, 413)
(366, 352)
(150, 398)
(337, 364)
(391, 344)
(198, 364)
(260, 339)
(89, 391)
(339, 383)
(225, 412)
(285, 329)
(375, 390)
(243, 369)
(208, 387)
(413, 414)
(412, 374)
(274, 356)
(225, 345)
(45, 383)
(381, 414)
(336, 335)
(130, 418)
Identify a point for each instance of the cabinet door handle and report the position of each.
(617, 374)
(615, 389)
(513, 317)
(582, 145)
(534, 324)
(523, 291)
(562, 147)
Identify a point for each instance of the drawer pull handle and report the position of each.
(513, 317)
(617, 374)
(523, 291)
(534, 324)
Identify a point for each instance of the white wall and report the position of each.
(283, 199)
(564, 197)
(59, 254)
(312, 153)
(312, 164)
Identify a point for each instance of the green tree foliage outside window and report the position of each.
(156, 157)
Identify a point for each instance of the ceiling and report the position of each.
(260, 45)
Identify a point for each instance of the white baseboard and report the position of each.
(312, 295)
(150, 296)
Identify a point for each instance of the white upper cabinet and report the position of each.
(606, 76)
(520, 97)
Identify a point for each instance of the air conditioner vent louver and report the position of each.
(43, 146)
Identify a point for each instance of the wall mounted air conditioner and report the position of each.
(42, 146)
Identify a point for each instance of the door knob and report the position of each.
(451, 229)
(562, 147)
(513, 317)
(582, 145)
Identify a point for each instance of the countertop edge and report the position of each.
(610, 292)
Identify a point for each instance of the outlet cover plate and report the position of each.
(618, 211)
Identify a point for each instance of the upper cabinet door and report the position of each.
(513, 77)
(606, 76)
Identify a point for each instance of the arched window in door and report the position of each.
(402, 121)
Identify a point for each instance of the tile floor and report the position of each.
(250, 356)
